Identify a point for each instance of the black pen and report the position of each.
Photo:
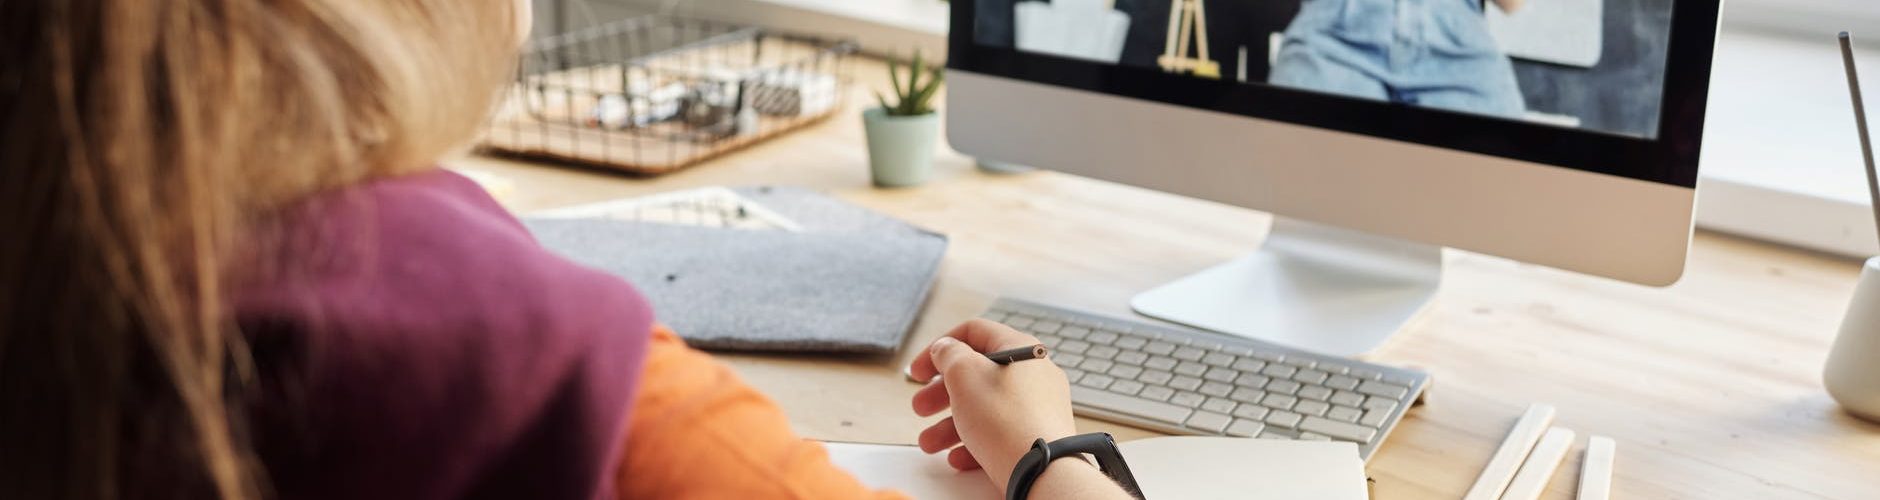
(1008, 356)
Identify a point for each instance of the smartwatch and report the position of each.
(1095, 444)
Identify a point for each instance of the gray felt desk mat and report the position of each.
(852, 281)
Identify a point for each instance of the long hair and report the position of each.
(140, 139)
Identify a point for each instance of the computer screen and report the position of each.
(1598, 85)
(1546, 61)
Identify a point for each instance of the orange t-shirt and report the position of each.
(697, 431)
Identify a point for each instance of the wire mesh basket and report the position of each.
(654, 94)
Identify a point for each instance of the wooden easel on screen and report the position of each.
(1187, 18)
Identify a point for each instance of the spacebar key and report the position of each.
(1129, 405)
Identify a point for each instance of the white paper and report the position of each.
(1183, 467)
(907, 470)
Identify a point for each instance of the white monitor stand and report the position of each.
(1314, 287)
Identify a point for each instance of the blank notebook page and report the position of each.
(1185, 467)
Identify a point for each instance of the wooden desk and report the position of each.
(1711, 387)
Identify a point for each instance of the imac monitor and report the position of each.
(1564, 133)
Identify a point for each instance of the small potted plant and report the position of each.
(902, 132)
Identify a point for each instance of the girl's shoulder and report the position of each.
(418, 321)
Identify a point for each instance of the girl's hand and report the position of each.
(997, 410)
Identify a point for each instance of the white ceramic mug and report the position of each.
(1853, 372)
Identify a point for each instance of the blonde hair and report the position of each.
(141, 139)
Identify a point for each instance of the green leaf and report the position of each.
(925, 96)
(913, 75)
(884, 103)
(894, 79)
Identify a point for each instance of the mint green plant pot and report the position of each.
(900, 148)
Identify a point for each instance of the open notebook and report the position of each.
(1180, 467)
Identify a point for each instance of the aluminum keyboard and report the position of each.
(1186, 381)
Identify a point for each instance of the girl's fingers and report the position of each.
(931, 399)
(940, 436)
(962, 459)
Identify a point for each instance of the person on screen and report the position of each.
(1433, 53)
(234, 270)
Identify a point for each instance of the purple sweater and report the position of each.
(415, 343)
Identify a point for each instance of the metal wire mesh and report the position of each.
(653, 94)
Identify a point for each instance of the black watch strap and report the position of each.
(1096, 444)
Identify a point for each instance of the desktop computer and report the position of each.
(1377, 133)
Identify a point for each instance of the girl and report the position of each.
(234, 271)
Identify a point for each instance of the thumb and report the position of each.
(951, 356)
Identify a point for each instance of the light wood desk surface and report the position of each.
(1711, 387)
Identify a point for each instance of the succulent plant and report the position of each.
(916, 96)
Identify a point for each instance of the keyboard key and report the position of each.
(1333, 369)
(1377, 403)
(1380, 389)
(1347, 398)
(1254, 380)
(1129, 405)
(1132, 357)
(1279, 371)
(1073, 346)
(1342, 382)
(1125, 371)
(1248, 365)
(1050, 340)
(1066, 359)
(1191, 368)
(1314, 392)
(1189, 353)
(1072, 374)
(1336, 429)
(1216, 389)
(1241, 351)
(1403, 380)
(1252, 412)
(1310, 377)
(1307, 436)
(1221, 375)
(1132, 342)
(1102, 338)
(1074, 332)
(1246, 395)
(1274, 434)
(1159, 377)
(1097, 381)
(1020, 321)
(1185, 383)
(993, 316)
(1244, 428)
(1302, 363)
(1285, 419)
(1218, 359)
(1339, 413)
(1132, 387)
(1374, 418)
(1102, 352)
(1278, 401)
(1208, 421)
(1096, 365)
(1313, 408)
(1219, 405)
(1046, 327)
(1278, 386)
(1187, 399)
(1159, 347)
(1156, 392)
(1363, 374)
(1160, 363)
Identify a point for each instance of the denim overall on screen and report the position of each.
(1434, 53)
